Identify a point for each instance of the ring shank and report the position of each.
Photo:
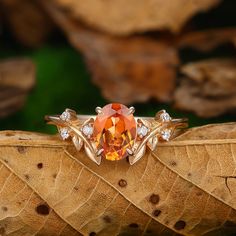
(180, 122)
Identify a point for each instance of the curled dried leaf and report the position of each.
(208, 88)
(208, 39)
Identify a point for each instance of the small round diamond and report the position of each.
(65, 116)
(64, 132)
(142, 131)
(87, 130)
(165, 117)
(165, 134)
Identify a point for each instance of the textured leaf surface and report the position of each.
(135, 16)
(186, 187)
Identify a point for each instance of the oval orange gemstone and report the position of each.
(114, 131)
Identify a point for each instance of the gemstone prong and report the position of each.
(70, 110)
(100, 151)
(98, 110)
(137, 155)
(92, 155)
(129, 151)
(131, 110)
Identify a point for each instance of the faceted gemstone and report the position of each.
(114, 131)
(142, 131)
(165, 117)
(64, 132)
(87, 130)
(166, 134)
(65, 116)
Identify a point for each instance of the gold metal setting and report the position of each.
(149, 131)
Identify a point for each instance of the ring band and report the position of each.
(114, 133)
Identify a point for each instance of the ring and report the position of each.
(114, 133)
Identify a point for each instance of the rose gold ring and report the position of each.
(114, 133)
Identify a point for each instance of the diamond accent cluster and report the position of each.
(64, 132)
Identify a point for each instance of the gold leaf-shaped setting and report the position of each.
(78, 142)
(139, 153)
(152, 143)
(92, 155)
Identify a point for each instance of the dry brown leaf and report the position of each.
(139, 67)
(27, 21)
(17, 78)
(185, 187)
(208, 88)
(125, 17)
(23, 212)
(208, 39)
